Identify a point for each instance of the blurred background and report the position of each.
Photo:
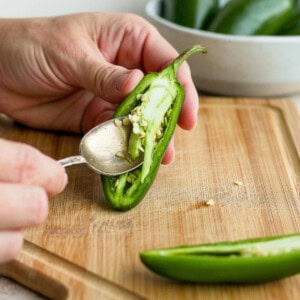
(28, 8)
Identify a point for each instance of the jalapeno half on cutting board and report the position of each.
(245, 261)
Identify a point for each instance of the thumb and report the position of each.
(109, 82)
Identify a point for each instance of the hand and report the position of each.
(27, 177)
(71, 72)
(68, 73)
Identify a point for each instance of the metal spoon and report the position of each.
(104, 149)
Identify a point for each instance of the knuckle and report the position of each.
(136, 20)
(25, 162)
(33, 168)
(104, 79)
(39, 205)
(138, 25)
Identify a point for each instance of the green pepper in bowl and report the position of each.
(253, 17)
(292, 27)
(190, 13)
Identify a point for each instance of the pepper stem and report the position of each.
(185, 55)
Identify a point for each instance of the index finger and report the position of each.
(21, 163)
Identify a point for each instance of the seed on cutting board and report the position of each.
(237, 182)
(210, 202)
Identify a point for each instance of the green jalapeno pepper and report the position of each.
(245, 261)
(152, 108)
(190, 13)
(223, 3)
(253, 17)
(292, 27)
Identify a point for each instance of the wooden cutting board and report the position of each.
(86, 250)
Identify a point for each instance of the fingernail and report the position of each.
(128, 80)
(65, 179)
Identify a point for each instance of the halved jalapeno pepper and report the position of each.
(246, 261)
(153, 109)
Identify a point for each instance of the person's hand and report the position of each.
(71, 72)
(68, 73)
(27, 177)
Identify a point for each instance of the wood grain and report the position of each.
(85, 250)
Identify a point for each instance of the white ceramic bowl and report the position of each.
(236, 65)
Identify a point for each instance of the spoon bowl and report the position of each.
(105, 149)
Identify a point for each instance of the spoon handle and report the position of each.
(72, 160)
